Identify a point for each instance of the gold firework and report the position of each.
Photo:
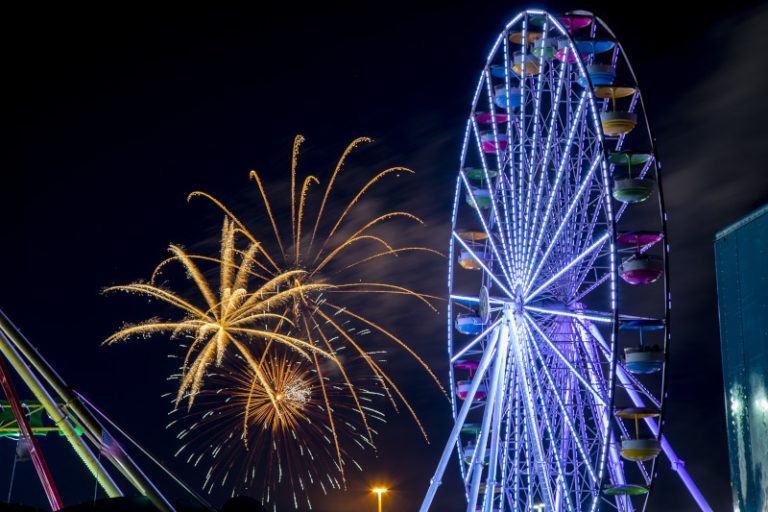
(286, 312)
(288, 441)
(321, 314)
(231, 316)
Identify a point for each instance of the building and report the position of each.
(741, 254)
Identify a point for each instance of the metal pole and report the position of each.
(485, 428)
(59, 418)
(460, 419)
(678, 465)
(497, 419)
(380, 500)
(84, 416)
(46, 480)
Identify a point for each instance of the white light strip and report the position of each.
(475, 300)
(533, 437)
(484, 267)
(561, 404)
(565, 218)
(510, 147)
(559, 175)
(533, 163)
(545, 162)
(472, 343)
(488, 182)
(479, 212)
(522, 139)
(568, 314)
(565, 360)
(562, 271)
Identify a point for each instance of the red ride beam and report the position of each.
(37, 455)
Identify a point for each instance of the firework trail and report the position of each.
(286, 392)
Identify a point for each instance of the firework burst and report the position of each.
(233, 316)
(244, 437)
(286, 392)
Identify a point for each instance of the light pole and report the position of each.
(379, 491)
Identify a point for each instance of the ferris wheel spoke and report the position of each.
(600, 412)
(475, 341)
(543, 166)
(476, 470)
(511, 403)
(600, 398)
(534, 159)
(480, 216)
(534, 437)
(558, 178)
(497, 219)
(546, 410)
(606, 318)
(597, 244)
(565, 217)
(510, 111)
(482, 265)
(566, 413)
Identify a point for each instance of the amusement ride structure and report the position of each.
(75, 418)
(558, 323)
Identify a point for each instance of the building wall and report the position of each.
(741, 253)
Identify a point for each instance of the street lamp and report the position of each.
(379, 491)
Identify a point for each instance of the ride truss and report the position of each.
(558, 323)
(73, 417)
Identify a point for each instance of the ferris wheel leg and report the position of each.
(678, 465)
(492, 406)
(460, 419)
(493, 466)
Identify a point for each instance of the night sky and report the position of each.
(114, 114)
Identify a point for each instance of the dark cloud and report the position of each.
(712, 143)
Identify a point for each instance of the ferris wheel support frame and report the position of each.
(497, 351)
(460, 419)
(677, 464)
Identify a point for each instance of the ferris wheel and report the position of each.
(558, 323)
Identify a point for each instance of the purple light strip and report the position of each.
(562, 271)
(561, 404)
(565, 360)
